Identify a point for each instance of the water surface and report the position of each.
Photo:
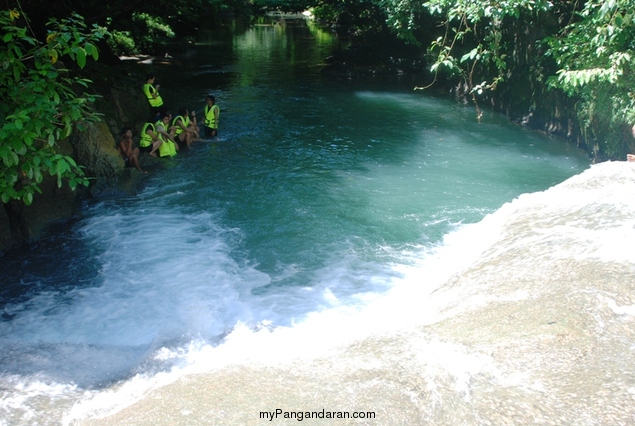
(319, 196)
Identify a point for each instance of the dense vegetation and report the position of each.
(41, 102)
(581, 50)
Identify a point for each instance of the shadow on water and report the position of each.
(45, 265)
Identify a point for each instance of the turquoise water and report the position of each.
(312, 193)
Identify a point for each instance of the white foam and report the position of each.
(256, 335)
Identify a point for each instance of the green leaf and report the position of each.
(68, 128)
(62, 166)
(92, 50)
(81, 57)
(470, 55)
(28, 139)
(10, 159)
(37, 174)
(54, 55)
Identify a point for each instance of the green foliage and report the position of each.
(150, 32)
(40, 105)
(281, 5)
(404, 18)
(473, 45)
(326, 12)
(152, 26)
(591, 46)
(351, 16)
(595, 54)
(140, 33)
(122, 43)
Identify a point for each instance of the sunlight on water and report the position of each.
(330, 235)
(467, 332)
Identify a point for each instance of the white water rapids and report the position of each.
(527, 317)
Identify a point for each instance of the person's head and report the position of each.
(211, 100)
(166, 116)
(150, 78)
(149, 128)
(183, 112)
(126, 132)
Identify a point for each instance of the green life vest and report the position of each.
(149, 89)
(210, 118)
(146, 139)
(167, 148)
(186, 122)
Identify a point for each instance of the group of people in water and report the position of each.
(164, 133)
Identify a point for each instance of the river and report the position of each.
(344, 247)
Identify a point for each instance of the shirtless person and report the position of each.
(130, 155)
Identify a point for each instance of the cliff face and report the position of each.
(122, 105)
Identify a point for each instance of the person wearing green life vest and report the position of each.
(150, 140)
(152, 94)
(166, 132)
(212, 112)
(186, 130)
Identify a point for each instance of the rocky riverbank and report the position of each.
(94, 146)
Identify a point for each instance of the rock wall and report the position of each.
(25, 223)
(95, 148)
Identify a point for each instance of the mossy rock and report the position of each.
(95, 149)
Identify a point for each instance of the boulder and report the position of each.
(95, 148)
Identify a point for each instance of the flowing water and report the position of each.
(342, 247)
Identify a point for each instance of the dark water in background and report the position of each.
(316, 196)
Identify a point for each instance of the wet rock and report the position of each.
(6, 239)
(20, 223)
(95, 148)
